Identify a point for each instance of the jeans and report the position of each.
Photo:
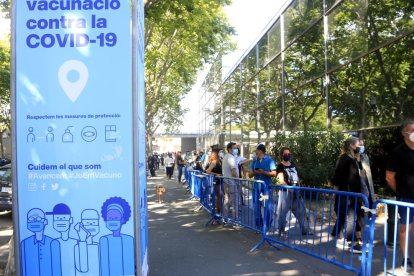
(180, 172)
(292, 201)
(349, 218)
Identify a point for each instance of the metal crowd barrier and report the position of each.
(390, 247)
(241, 202)
(326, 224)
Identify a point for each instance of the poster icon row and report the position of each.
(88, 134)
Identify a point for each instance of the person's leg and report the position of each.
(218, 198)
(402, 236)
(257, 206)
(282, 209)
(340, 211)
(404, 212)
(180, 173)
(299, 210)
(226, 201)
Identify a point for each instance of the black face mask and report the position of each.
(357, 150)
(287, 157)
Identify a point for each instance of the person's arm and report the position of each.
(233, 166)
(392, 168)
(390, 177)
(272, 170)
(251, 172)
(280, 174)
(341, 172)
(234, 173)
(281, 178)
(211, 167)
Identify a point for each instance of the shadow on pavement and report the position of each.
(180, 244)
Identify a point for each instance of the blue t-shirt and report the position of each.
(267, 164)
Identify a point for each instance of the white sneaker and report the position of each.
(342, 244)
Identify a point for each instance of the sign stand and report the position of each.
(79, 193)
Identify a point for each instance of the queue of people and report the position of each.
(352, 174)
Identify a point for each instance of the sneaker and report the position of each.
(341, 244)
(357, 248)
(409, 266)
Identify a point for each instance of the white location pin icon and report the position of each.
(73, 89)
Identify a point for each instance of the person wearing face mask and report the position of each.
(62, 221)
(230, 186)
(287, 174)
(351, 175)
(400, 178)
(262, 168)
(117, 249)
(87, 251)
(40, 254)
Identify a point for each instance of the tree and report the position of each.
(4, 91)
(180, 37)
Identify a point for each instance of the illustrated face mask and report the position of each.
(113, 225)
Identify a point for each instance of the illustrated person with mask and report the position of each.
(40, 254)
(87, 251)
(350, 176)
(289, 200)
(400, 178)
(262, 168)
(117, 249)
(62, 220)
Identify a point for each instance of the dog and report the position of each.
(160, 193)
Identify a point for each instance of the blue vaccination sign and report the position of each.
(78, 118)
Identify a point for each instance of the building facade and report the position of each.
(321, 64)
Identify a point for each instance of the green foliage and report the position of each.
(4, 85)
(314, 152)
(181, 36)
(5, 7)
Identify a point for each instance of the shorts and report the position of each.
(403, 211)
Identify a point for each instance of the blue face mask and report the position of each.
(236, 152)
(36, 226)
(361, 149)
(113, 225)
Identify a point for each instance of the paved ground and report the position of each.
(180, 244)
(6, 231)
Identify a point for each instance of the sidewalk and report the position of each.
(180, 244)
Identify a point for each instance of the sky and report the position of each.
(249, 18)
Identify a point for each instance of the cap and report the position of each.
(60, 209)
(261, 147)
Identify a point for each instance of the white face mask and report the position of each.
(411, 137)
(221, 154)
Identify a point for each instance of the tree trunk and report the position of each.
(1, 144)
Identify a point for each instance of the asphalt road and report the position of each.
(180, 244)
(6, 231)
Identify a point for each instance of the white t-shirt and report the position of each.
(169, 162)
(229, 163)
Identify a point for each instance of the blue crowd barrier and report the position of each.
(390, 260)
(240, 202)
(325, 224)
